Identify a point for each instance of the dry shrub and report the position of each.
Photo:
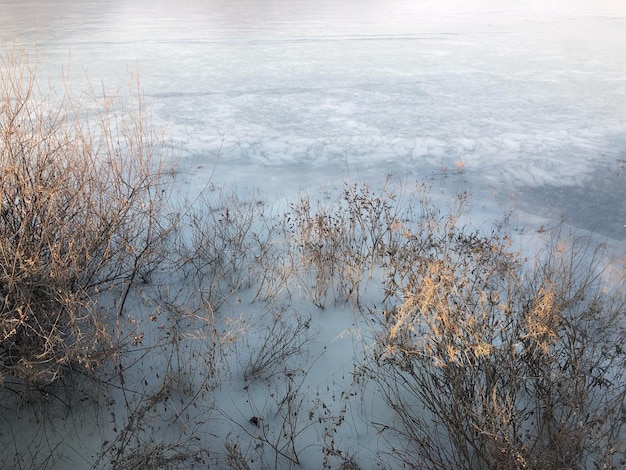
(80, 191)
(228, 246)
(491, 361)
(283, 340)
(336, 247)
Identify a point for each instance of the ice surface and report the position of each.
(521, 103)
(524, 95)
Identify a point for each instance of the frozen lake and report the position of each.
(522, 100)
(523, 104)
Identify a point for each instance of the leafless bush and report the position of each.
(282, 340)
(490, 361)
(80, 194)
(165, 385)
(284, 424)
(340, 244)
(155, 428)
(229, 245)
(319, 240)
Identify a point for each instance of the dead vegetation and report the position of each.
(492, 360)
(80, 202)
(486, 356)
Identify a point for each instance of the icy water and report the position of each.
(522, 100)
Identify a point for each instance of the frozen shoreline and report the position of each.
(523, 107)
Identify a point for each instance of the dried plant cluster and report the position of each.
(494, 361)
(485, 356)
(490, 358)
(79, 215)
(339, 244)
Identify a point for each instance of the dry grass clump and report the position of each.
(492, 361)
(80, 192)
(335, 247)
